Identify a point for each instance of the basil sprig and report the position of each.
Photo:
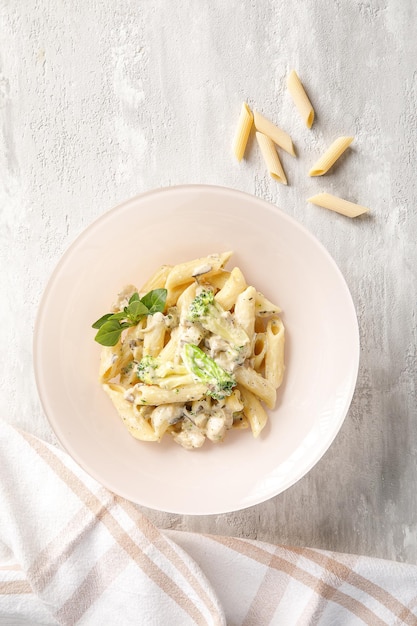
(111, 325)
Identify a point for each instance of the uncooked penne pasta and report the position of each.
(253, 410)
(330, 157)
(243, 129)
(271, 158)
(300, 98)
(333, 203)
(274, 357)
(278, 136)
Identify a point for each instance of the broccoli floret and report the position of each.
(205, 310)
(198, 363)
(146, 370)
(167, 375)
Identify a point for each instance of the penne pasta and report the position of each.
(245, 311)
(274, 356)
(330, 156)
(195, 368)
(157, 281)
(271, 158)
(334, 203)
(153, 395)
(300, 98)
(254, 411)
(134, 420)
(257, 384)
(243, 129)
(278, 136)
(186, 272)
(263, 306)
(234, 285)
(259, 351)
(154, 335)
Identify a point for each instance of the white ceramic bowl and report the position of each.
(284, 261)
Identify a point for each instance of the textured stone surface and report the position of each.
(101, 101)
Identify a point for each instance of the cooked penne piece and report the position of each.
(154, 396)
(333, 203)
(243, 129)
(259, 351)
(234, 285)
(257, 384)
(245, 311)
(134, 421)
(169, 351)
(300, 98)
(274, 357)
(233, 403)
(264, 307)
(216, 279)
(108, 362)
(154, 335)
(184, 301)
(157, 281)
(271, 158)
(278, 136)
(184, 272)
(112, 360)
(330, 156)
(254, 411)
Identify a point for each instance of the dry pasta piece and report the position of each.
(330, 157)
(278, 136)
(333, 203)
(271, 158)
(244, 127)
(300, 98)
(253, 410)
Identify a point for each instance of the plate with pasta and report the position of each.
(196, 350)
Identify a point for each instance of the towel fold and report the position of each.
(74, 553)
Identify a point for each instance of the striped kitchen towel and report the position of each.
(71, 553)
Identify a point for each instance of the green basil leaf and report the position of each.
(109, 333)
(155, 300)
(121, 315)
(134, 297)
(101, 321)
(136, 310)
